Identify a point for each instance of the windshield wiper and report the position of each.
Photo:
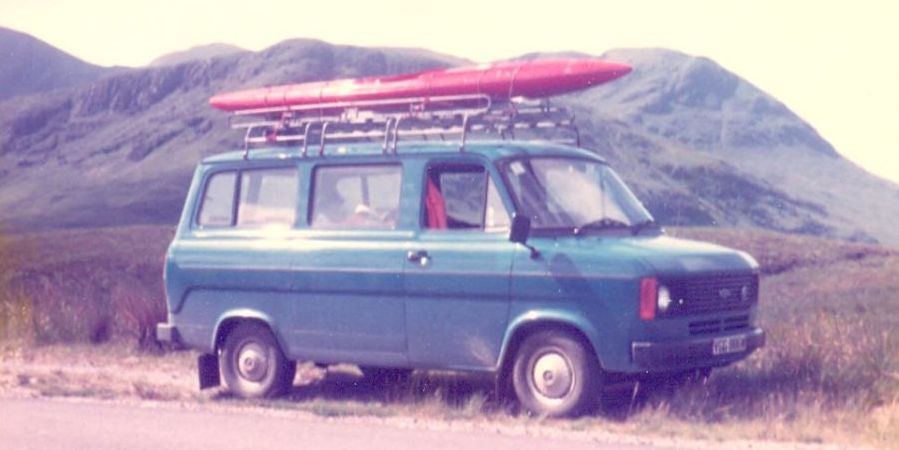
(600, 224)
(640, 226)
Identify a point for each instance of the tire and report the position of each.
(385, 376)
(252, 363)
(555, 375)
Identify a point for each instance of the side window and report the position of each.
(462, 197)
(268, 197)
(217, 207)
(347, 197)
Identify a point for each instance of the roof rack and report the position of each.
(387, 120)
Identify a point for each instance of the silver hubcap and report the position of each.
(552, 375)
(252, 362)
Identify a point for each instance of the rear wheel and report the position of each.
(253, 364)
(556, 375)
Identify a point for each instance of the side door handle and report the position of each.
(418, 256)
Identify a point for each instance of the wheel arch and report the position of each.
(230, 319)
(535, 321)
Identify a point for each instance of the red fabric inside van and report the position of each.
(435, 207)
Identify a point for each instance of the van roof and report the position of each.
(490, 149)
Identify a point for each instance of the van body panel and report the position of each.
(413, 297)
(349, 299)
(457, 303)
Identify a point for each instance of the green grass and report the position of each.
(829, 373)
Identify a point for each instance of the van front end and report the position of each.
(692, 321)
(647, 304)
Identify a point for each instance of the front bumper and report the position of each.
(167, 333)
(692, 353)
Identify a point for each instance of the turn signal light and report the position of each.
(649, 289)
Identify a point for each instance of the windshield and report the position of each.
(572, 194)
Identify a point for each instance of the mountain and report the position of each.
(198, 53)
(759, 163)
(29, 65)
(697, 143)
(122, 150)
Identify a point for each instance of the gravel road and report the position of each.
(61, 424)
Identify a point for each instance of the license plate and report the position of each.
(728, 345)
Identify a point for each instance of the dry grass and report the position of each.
(108, 371)
(830, 371)
(83, 285)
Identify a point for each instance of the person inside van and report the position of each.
(339, 204)
(330, 206)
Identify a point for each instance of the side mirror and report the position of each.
(521, 228)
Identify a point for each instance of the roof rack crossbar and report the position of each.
(392, 136)
(459, 115)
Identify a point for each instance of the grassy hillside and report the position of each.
(830, 371)
(198, 53)
(698, 144)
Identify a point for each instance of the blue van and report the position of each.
(529, 260)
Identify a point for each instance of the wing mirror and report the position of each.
(521, 228)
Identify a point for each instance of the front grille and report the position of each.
(713, 326)
(711, 294)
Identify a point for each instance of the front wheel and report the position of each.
(253, 364)
(556, 375)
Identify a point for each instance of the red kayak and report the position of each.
(499, 81)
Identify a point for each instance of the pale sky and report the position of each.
(835, 63)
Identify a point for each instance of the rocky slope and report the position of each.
(198, 53)
(704, 146)
(700, 145)
(122, 150)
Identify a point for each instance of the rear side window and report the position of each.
(364, 197)
(268, 197)
(217, 209)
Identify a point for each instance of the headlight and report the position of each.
(664, 300)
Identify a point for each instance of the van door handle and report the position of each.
(420, 256)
